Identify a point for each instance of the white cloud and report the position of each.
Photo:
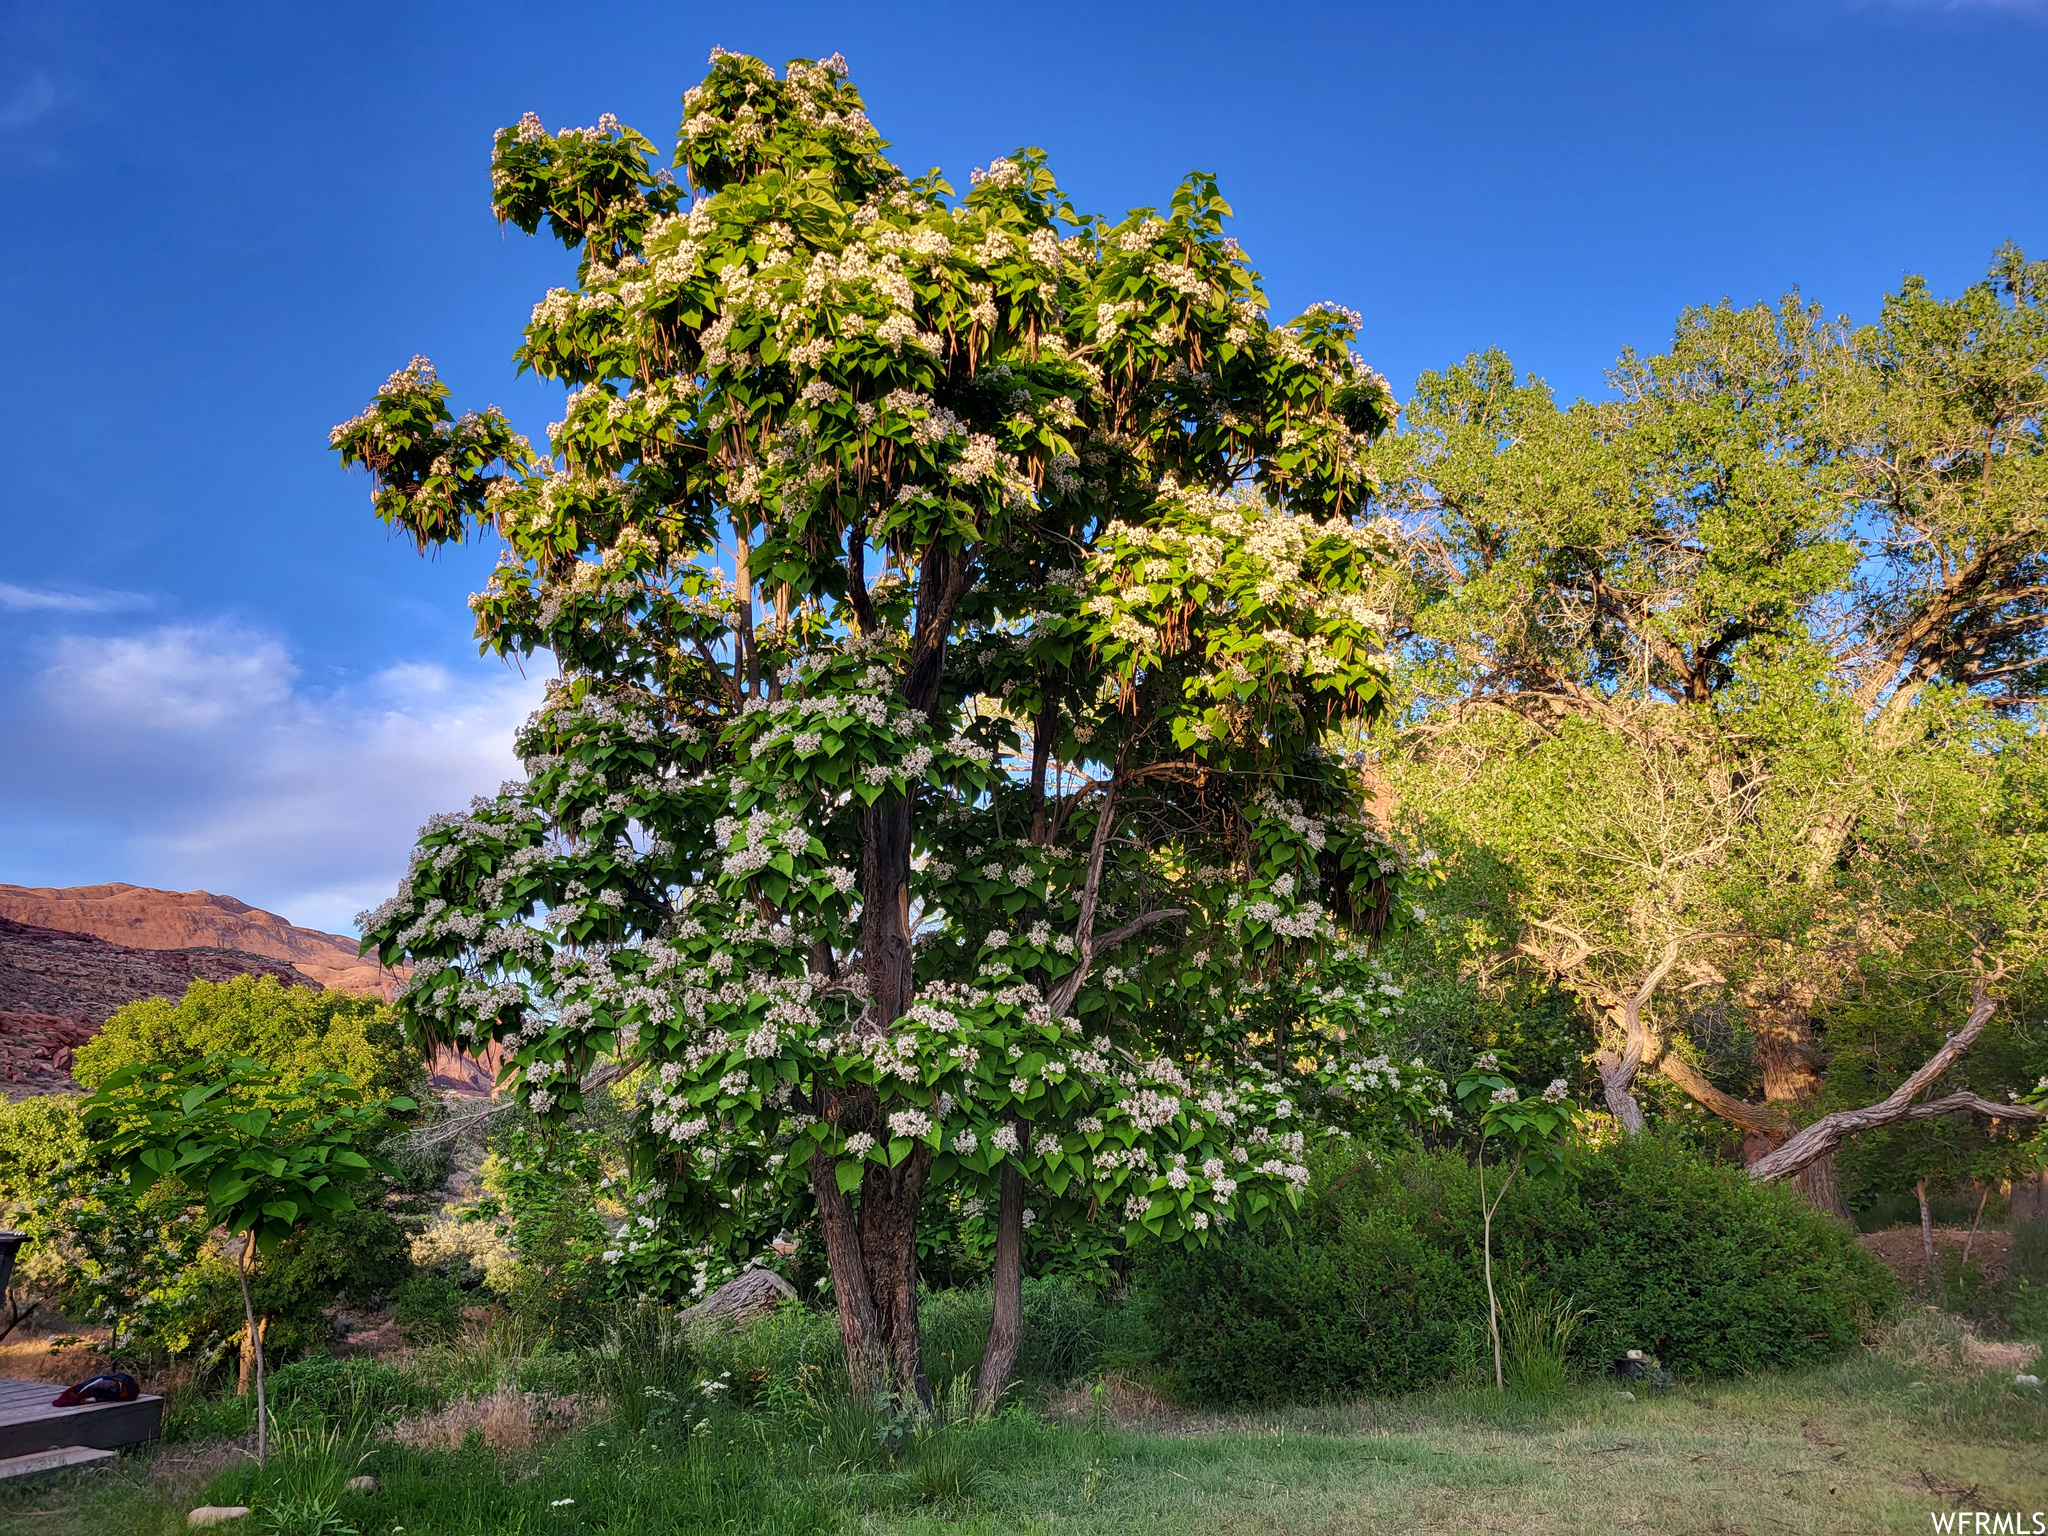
(173, 680)
(198, 757)
(19, 599)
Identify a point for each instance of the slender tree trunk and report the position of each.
(256, 1334)
(1486, 1250)
(1976, 1221)
(1006, 1281)
(1926, 1227)
(1486, 1210)
(1006, 1308)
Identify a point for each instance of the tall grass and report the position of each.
(1537, 1331)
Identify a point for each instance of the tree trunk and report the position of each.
(1983, 1197)
(1486, 1251)
(1926, 1227)
(1813, 1142)
(1617, 1074)
(1618, 1068)
(1789, 1053)
(245, 1357)
(872, 1250)
(1823, 1190)
(1006, 1309)
(254, 1333)
(889, 1203)
(885, 910)
(860, 1331)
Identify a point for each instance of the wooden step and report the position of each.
(28, 1423)
(59, 1459)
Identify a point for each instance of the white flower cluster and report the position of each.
(912, 1123)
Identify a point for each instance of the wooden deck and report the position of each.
(28, 1423)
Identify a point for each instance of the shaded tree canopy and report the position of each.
(1737, 673)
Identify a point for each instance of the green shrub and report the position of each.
(39, 1136)
(428, 1309)
(358, 1390)
(43, 1154)
(1373, 1288)
(294, 1030)
(356, 1258)
(1375, 1285)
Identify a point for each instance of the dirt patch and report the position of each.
(39, 1356)
(2003, 1357)
(1928, 1339)
(1899, 1249)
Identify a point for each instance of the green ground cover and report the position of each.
(1874, 1443)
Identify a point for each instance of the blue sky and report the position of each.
(227, 223)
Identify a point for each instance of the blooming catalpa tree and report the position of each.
(950, 596)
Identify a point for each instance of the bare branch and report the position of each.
(1830, 1131)
(1091, 888)
(1136, 926)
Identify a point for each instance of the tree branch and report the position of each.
(1091, 889)
(1830, 1131)
(1136, 926)
(1751, 1117)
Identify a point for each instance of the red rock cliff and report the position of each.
(142, 918)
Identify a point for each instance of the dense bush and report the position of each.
(428, 1309)
(294, 1030)
(357, 1258)
(1375, 1286)
(147, 1269)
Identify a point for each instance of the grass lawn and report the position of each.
(1875, 1444)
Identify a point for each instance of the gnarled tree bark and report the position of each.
(1618, 1069)
(1820, 1139)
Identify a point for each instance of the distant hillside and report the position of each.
(142, 918)
(69, 957)
(58, 988)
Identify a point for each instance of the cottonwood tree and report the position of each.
(951, 596)
(1779, 544)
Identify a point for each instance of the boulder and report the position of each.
(751, 1294)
